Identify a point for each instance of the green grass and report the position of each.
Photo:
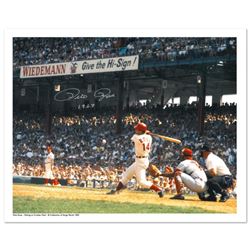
(29, 205)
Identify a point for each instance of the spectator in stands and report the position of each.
(28, 51)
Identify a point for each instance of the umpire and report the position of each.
(219, 176)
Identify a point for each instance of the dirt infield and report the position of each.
(36, 192)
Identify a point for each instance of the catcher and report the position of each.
(188, 173)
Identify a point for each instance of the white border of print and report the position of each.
(240, 216)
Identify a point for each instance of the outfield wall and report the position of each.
(34, 180)
(40, 180)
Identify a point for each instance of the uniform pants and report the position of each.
(48, 174)
(196, 185)
(219, 183)
(138, 168)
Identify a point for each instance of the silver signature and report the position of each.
(75, 94)
(103, 93)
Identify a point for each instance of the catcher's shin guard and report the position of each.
(178, 184)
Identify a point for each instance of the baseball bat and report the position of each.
(166, 138)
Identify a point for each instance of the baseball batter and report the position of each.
(189, 174)
(49, 164)
(142, 143)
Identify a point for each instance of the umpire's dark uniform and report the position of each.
(219, 178)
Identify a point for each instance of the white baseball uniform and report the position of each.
(193, 176)
(49, 163)
(142, 145)
(213, 161)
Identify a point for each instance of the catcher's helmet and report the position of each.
(141, 127)
(187, 152)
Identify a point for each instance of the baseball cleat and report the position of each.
(224, 198)
(178, 197)
(202, 196)
(112, 192)
(211, 198)
(161, 194)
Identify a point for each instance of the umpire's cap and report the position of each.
(205, 148)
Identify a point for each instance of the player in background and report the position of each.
(189, 174)
(142, 143)
(49, 164)
(220, 177)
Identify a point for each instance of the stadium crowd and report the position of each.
(87, 147)
(88, 152)
(29, 51)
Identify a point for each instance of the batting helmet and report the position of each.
(187, 152)
(141, 127)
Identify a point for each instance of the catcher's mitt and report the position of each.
(153, 170)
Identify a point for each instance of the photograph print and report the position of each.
(124, 125)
